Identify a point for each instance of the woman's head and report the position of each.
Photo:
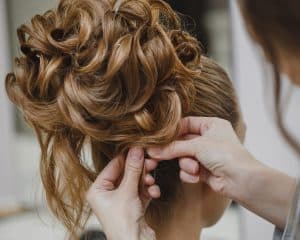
(110, 77)
(274, 24)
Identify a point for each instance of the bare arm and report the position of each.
(266, 192)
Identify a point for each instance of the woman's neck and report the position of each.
(179, 228)
(185, 221)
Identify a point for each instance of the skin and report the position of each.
(202, 206)
(230, 170)
(216, 157)
(259, 188)
(269, 194)
(213, 155)
(191, 213)
(113, 194)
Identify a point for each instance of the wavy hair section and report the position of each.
(91, 75)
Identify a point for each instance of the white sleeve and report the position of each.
(292, 229)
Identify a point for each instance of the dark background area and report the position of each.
(193, 13)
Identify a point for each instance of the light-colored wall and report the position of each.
(7, 176)
(263, 138)
(21, 11)
(25, 153)
(12, 164)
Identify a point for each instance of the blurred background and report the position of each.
(219, 27)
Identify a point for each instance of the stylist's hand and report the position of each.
(213, 143)
(228, 168)
(119, 202)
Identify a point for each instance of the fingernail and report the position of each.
(136, 153)
(195, 179)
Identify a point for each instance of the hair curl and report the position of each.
(111, 79)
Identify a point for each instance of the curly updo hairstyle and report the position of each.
(111, 77)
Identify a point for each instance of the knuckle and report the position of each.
(215, 120)
(188, 121)
(225, 122)
(221, 121)
(105, 184)
(133, 167)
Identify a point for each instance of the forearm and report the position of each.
(266, 192)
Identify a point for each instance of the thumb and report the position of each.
(133, 169)
(108, 178)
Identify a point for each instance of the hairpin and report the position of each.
(117, 5)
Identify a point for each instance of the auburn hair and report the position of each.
(110, 77)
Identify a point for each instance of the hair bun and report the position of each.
(187, 47)
(108, 74)
(93, 72)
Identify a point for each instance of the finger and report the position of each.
(110, 175)
(216, 184)
(189, 165)
(149, 180)
(143, 188)
(185, 177)
(150, 164)
(195, 125)
(151, 192)
(189, 136)
(154, 191)
(176, 149)
(134, 167)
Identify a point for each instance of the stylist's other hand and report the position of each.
(119, 201)
(213, 143)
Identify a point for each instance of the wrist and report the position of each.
(265, 191)
(241, 173)
(250, 178)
